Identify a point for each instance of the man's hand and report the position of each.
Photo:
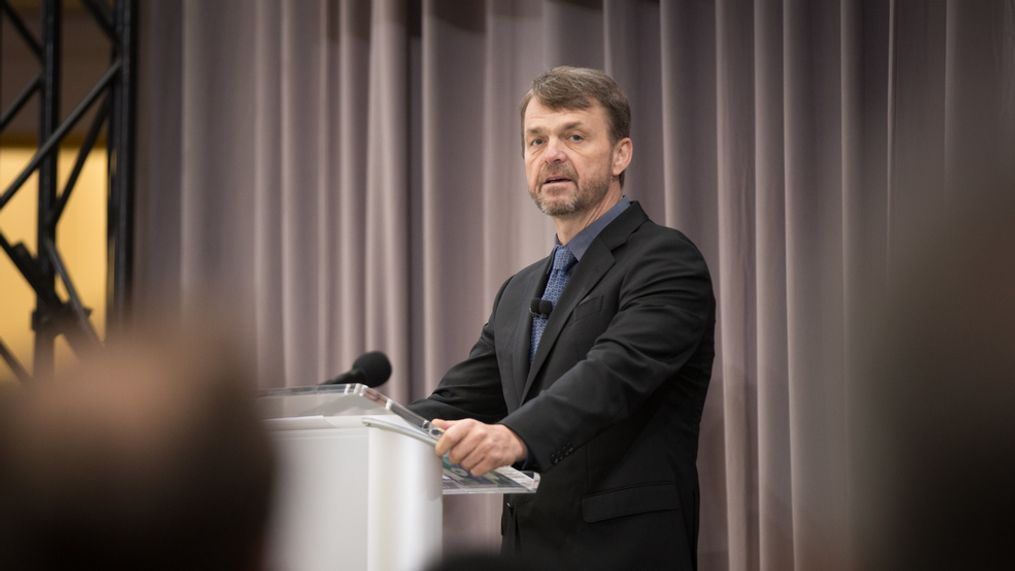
(478, 447)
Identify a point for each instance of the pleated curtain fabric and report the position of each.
(347, 176)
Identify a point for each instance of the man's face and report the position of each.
(569, 158)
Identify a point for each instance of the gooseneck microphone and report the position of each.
(541, 307)
(371, 369)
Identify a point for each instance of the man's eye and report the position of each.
(576, 138)
(535, 142)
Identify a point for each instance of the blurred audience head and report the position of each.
(934, 419)
(492, 561)
(147, 455)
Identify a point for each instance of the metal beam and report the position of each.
(120, 222)
(49, 117)
(54, 316)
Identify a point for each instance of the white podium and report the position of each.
(349, 495)
(359, 486)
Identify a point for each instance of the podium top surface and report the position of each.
(330, 400)
(333, 400)
(361, 400)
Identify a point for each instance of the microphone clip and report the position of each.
(541, 307)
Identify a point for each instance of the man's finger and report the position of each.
(452, 435)
(482, 468)
(472, 457)
(467, 444)
(443, 424)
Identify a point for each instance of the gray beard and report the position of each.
(581, 201)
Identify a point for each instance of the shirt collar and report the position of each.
(581, 242)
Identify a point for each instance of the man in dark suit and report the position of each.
(594, 364)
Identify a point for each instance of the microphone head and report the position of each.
(541, 307)
(374, 368)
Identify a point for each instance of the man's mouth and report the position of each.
(556, 179)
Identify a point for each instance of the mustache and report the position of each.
(562, 171)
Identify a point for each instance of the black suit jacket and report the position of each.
(610, 406)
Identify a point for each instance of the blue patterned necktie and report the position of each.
(563, 259)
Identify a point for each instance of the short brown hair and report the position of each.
(566, 87)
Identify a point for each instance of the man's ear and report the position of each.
(622, 152)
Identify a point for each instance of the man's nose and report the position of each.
(554, 152)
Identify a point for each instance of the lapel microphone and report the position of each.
(541, 307)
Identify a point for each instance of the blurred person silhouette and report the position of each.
(491, 561)
(145, 456)
(933, 416)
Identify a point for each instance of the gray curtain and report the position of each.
(347, 175)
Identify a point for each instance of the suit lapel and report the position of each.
(586, 275)
(598, 259)
(522, 336)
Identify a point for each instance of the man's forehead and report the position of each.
(538, 115)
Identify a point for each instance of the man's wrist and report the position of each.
(519, 450)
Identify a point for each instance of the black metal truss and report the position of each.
(114, 96)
